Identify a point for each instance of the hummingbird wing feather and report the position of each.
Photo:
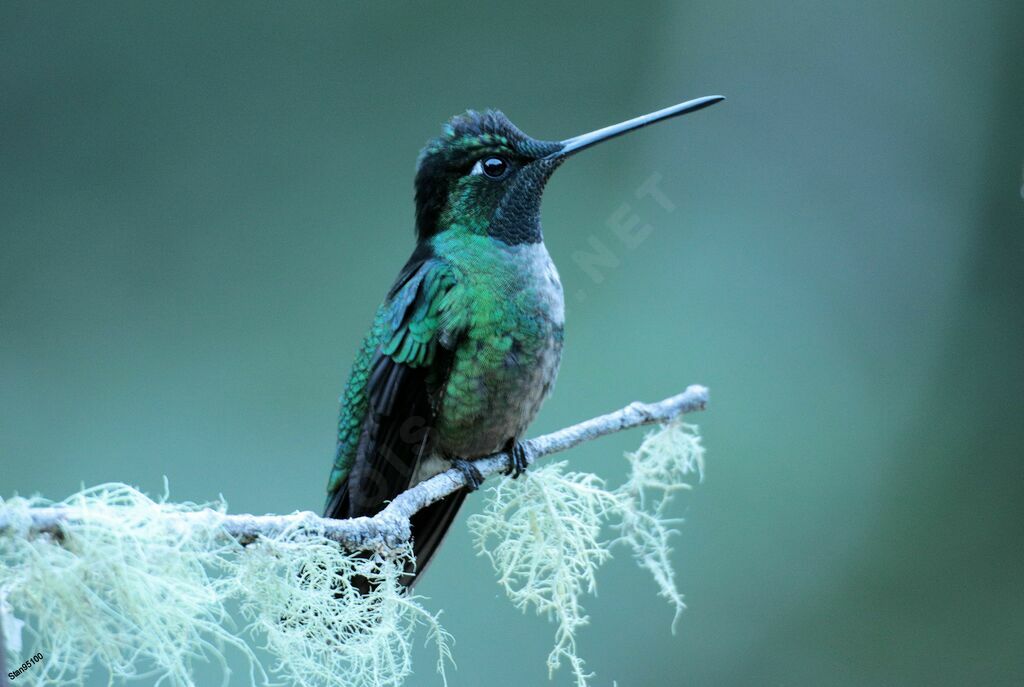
(389, 403)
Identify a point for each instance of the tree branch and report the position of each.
(390, 528)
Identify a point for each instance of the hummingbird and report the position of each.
(465, 346)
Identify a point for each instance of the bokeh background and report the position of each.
(201, 205)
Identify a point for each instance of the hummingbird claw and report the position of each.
(520, 462)
(470, 472)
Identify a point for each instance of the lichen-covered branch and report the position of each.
(110, 577)
(390, 528)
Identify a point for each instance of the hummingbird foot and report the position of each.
(520, 462)
(470, 472)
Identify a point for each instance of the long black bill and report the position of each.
(573, 145)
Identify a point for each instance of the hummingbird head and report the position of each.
(485, 176)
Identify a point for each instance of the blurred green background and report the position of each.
(203, 203)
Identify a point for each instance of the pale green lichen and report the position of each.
(139, 593)
(666, 463)
(543, 534)
(128, 589)
(324, 631)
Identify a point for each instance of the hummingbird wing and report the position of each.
(388, 408)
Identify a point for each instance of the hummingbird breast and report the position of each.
(506, 361)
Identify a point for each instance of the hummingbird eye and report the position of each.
(491, 167)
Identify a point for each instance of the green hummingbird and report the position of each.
(466, 345)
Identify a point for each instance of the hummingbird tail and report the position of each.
(429, 527)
